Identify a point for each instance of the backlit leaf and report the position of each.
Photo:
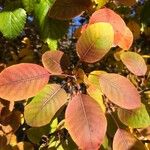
(95, 42)
(124, 140)
(109, 16)
(136, 118)
(22, 81)
(51, 61)
(119, 90)
(85, 122)
(44, 105)
(28, 5)
(12, 22)
(67, 9)
(126, 40)
(134, 62)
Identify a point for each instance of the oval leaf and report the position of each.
(126, 40)
(109, 16)
(124, 140)
(67, 9)
(134, 62)
(12, 22)
(136, 118)
(22, 81)
(95, 42)
(51, 61)
(85, 122)
(119, 90)
(44, 106)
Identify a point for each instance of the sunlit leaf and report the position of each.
(22, 81)
(85, 122)
(12, 22)
(126, 40)
(44, 105)
(52, 61)
(136, 118)
(134, 62)
(67, 9)
(28, 5)
(95, 42)
(100, 3)
(119, 90)
(124, 140)
(109, 16)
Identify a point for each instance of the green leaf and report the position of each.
(136, 118)
(95, 42)
(44, 106)
(50, 29)
(12, 22)
(28, 5)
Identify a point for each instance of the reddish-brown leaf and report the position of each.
(51, 61)
(134, 62)
(124, 140)
(119, 90)
(85, 122)
(109, 16)
(67, 9)
(22, 81)
(126, 40)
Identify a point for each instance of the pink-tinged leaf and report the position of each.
(85, 122)
(124, 140)
(52, 61)
(134, 62)
(22, 81)
(109, 16)
(126, 40)
(67, 9)
(95, 42)
(84, 27)
(119, 90)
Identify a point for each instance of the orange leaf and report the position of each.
(119, 90)
(124, 140)
(134, 62)
(22, 81)
(51, 61)
(85, 122)
(126, 40)
(109, 16)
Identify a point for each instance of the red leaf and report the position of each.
(120, 90)
(124, 140)
(109, 16)
(22, 81)
(85, 122)
(51, 61)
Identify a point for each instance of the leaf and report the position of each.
(12, 22)
(109, 16)
(100, 3)
(50, 29)
(124, 140)
(95, 42)
(22, 81)
(52, 61)
(60, 8)
(119, 90)
(85, 122)
(28, 5)
(126, 40)
(44, 105)
(136, 118)
(134, 62)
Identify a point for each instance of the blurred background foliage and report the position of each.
(27, 31)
